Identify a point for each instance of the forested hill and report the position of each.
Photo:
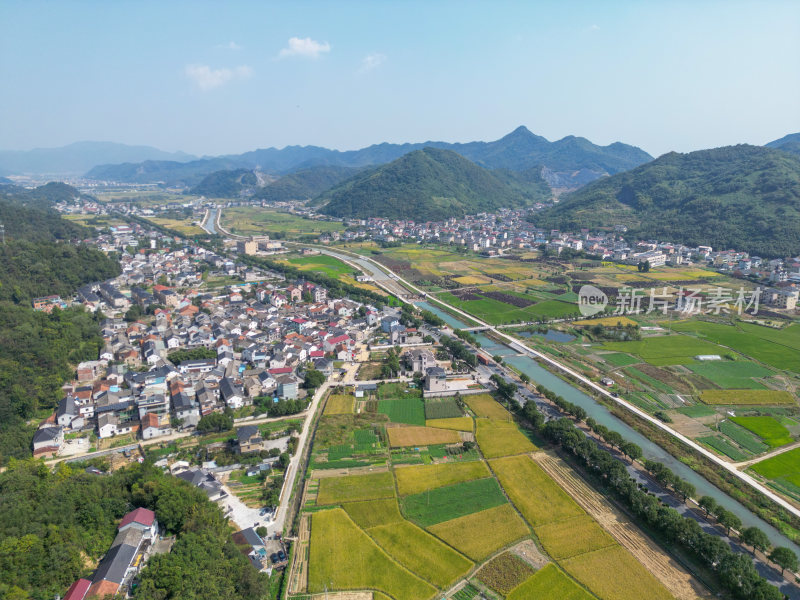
(788, 143)
(57, 525)
(426, 185)
(226, 184)
(38, 351)
(304, 184)
(742, 197)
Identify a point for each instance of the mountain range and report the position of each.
(743, 197)
(520, 150)
(76, 159)
(431, 184)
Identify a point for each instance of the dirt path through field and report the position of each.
(679, 582)
(298, 577)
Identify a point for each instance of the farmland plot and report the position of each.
(416, 479)
(482, 533)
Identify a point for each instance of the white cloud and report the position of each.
(594, 27)
(230, 46)
(371, 61)
(305, 47)
(206, 78)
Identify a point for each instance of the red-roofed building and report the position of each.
(280, 370)
(142, 519)
(330, 344)
(103, 588)
(77, 591)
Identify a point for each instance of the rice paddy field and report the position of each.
(343, 557)
(483, 405)
(501, 438)
(420, 436)
(783, 467)
(322, 263)
(184, 226)
(458, 423)
(335, 490)
(767, 428)
(255, 220)
(452, 501)
(550, 583)
(497, 312)
(339, 404)
(372, 513)
(416, 479)
(564, 539)
(732, 374)
(482, 533)
(667, 349)
(410, 411)
(747, 397)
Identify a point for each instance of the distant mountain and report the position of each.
(304, 184)
(788, 143)
(77, 158)
(743, 197)
(424, 185)
(518, 151)
(44, 196)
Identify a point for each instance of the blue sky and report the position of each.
(225, 77)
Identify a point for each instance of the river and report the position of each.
(602, 415)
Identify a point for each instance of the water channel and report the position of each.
(601, 414)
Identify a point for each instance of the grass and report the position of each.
(410, 411)
(482, 533)
(667, 349)
(321, 262)
(741, 436)
(339, 404)
(483, 405)
(550, 583)
(372, 513)
(421, 553)
(452, 501)
(505, 572)
(783, 466)
(343, 557)
(334, 490)
(533, 492)
(564, 539)
(723, 446)
(746, 397)
(413, 480)
(457, 424)
(776, 347)
(696, 411)
(767, 428)
(732, 374)
(501, 438)
(254, 220)
(420, 436)
(619, 359)
(614, 574)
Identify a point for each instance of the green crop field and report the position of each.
(533, 492)
(351, 488)
(667, 349)
(421, 553)
(571, 537)
(747, 397)
(783, 466)
(724, 447)
(614, 574)
(496, 312)
(343, 557)
(619, 359)
(550, 583)
(410, 411)
(371, 513)
(482, 533)
(452, 501)
(333, 267)
(254, 220)
(442, 408)
(505, 572)
(744, 438)
(779, 348)
(501, 438)
(767, 428)
(696, 411)
(732, 374)
(417, 479)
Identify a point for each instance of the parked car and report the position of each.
(274, 557)
(281, 555)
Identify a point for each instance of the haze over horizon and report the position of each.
(209, 80)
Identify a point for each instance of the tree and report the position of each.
(215, 422)
(631, 450)
(262, 531)
(708, 504)
(728, 520)
(753, 536)
(685, 489)
(498, 359)
(524, 378)
(313, 379)
(784, 558)
(307, 297)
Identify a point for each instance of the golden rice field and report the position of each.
(419, 478)
(501, 438)
(471, 280)
(351, 488)
(483, 533)
(607, 321)
(371, 513)
(483, 405)
(343, 557)
(746, 397)
(564, 539)
(614, 574)
(421, 553)
(455, 423)
(420, 436)
(533, 492)
(550, 583)
(339, 404)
